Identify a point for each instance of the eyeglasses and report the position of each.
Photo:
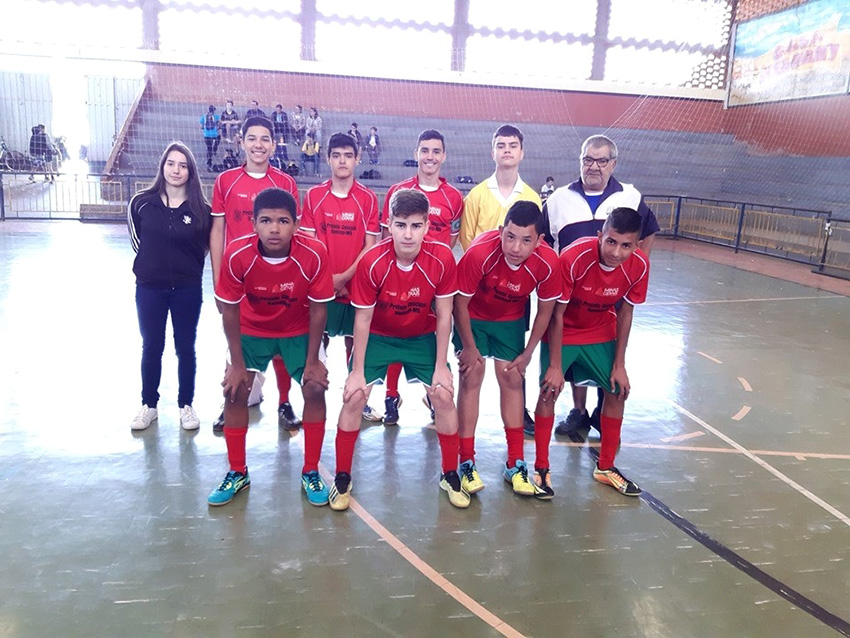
(602, 162)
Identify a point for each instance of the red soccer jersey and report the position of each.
(234, 194)
(341, 223)
(402, 297)
(444, 213)
(498, 290)
(591, 289)
(274, 295)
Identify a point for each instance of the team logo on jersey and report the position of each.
(504, 283)
(434, 210)
(346, 217)
(413, 292)
(610, 292)
(187, 220)
(289, 286)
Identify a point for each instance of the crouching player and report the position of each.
(402, 292)
(597, 273)
(496, 277)
(274, 288)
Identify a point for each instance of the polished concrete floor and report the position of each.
(737, 431)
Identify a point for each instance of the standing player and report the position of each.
(444, 214)
(597, 273)
(343, 215)
(579, 210)
(403, 293)
(496, 277)
(488, 202)
(232, 210)
(274, 287)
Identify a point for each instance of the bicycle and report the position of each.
(12, 160)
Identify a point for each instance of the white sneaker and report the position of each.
(188, 419)
(144, 418)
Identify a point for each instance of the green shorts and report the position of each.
(258, 352)
(503, 340)
(340, 320)
(591, 363)
(417, 355)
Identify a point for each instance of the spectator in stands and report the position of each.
(299, 125)
(310, 154)
(255, 110)
(314, 125)
(210, 123)
(547, 189)
(170, 231)
(42, 153)
(373, 146)
(230, 122)
(579, 210)
(353, 132)
(280, 121)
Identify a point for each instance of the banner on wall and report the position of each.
(797, 53)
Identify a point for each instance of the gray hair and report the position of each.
(599, 140)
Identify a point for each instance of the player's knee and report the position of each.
(442, 399)
(312, 391)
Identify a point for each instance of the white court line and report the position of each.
(744, 411)
(714, 301)
(709, 357)
(745, 384)
(767, 466)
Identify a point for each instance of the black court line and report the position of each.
(736, 560)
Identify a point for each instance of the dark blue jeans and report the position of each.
(153, 306)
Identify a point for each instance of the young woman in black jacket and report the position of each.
(170, 232)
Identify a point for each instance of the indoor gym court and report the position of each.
(736, 431)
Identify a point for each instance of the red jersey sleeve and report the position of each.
(551, 286)
(373, 224)
(363, 291)
(307, 220)
(470, 272)
(640, 271)
(218, 198)
(231, 284)
(447, 286)
(321, 284)
(385, 210)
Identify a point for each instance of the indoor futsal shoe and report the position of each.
(233, 483)
(517, 476)
(339, 497)
(370, 415)
(286, 418)
(470, 480)
(543, 484)
(314, 488)
(450, 482)
(615, 479)
(391, 406)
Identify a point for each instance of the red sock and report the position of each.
(393, 375)
(449, 449)
(235, 440)
(345, 441)
(314, 435)
(515, 443)
(542, 436)
(284, 381)
(610, 428)
(467, 448)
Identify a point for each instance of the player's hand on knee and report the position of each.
(353, 384)
(235, 379)
(317, 373)
(468, 359)
(519, 364)
(443, 381)
(552, 384)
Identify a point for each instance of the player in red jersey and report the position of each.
(403, 292)
(597, 272)
(232, 210)
(444, 213)
(343, 215)
(496, 277)
(274, 287)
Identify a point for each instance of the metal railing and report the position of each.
(812, 237)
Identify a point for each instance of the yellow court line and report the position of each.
(420, 565)
(744, 411)
(764, 464)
